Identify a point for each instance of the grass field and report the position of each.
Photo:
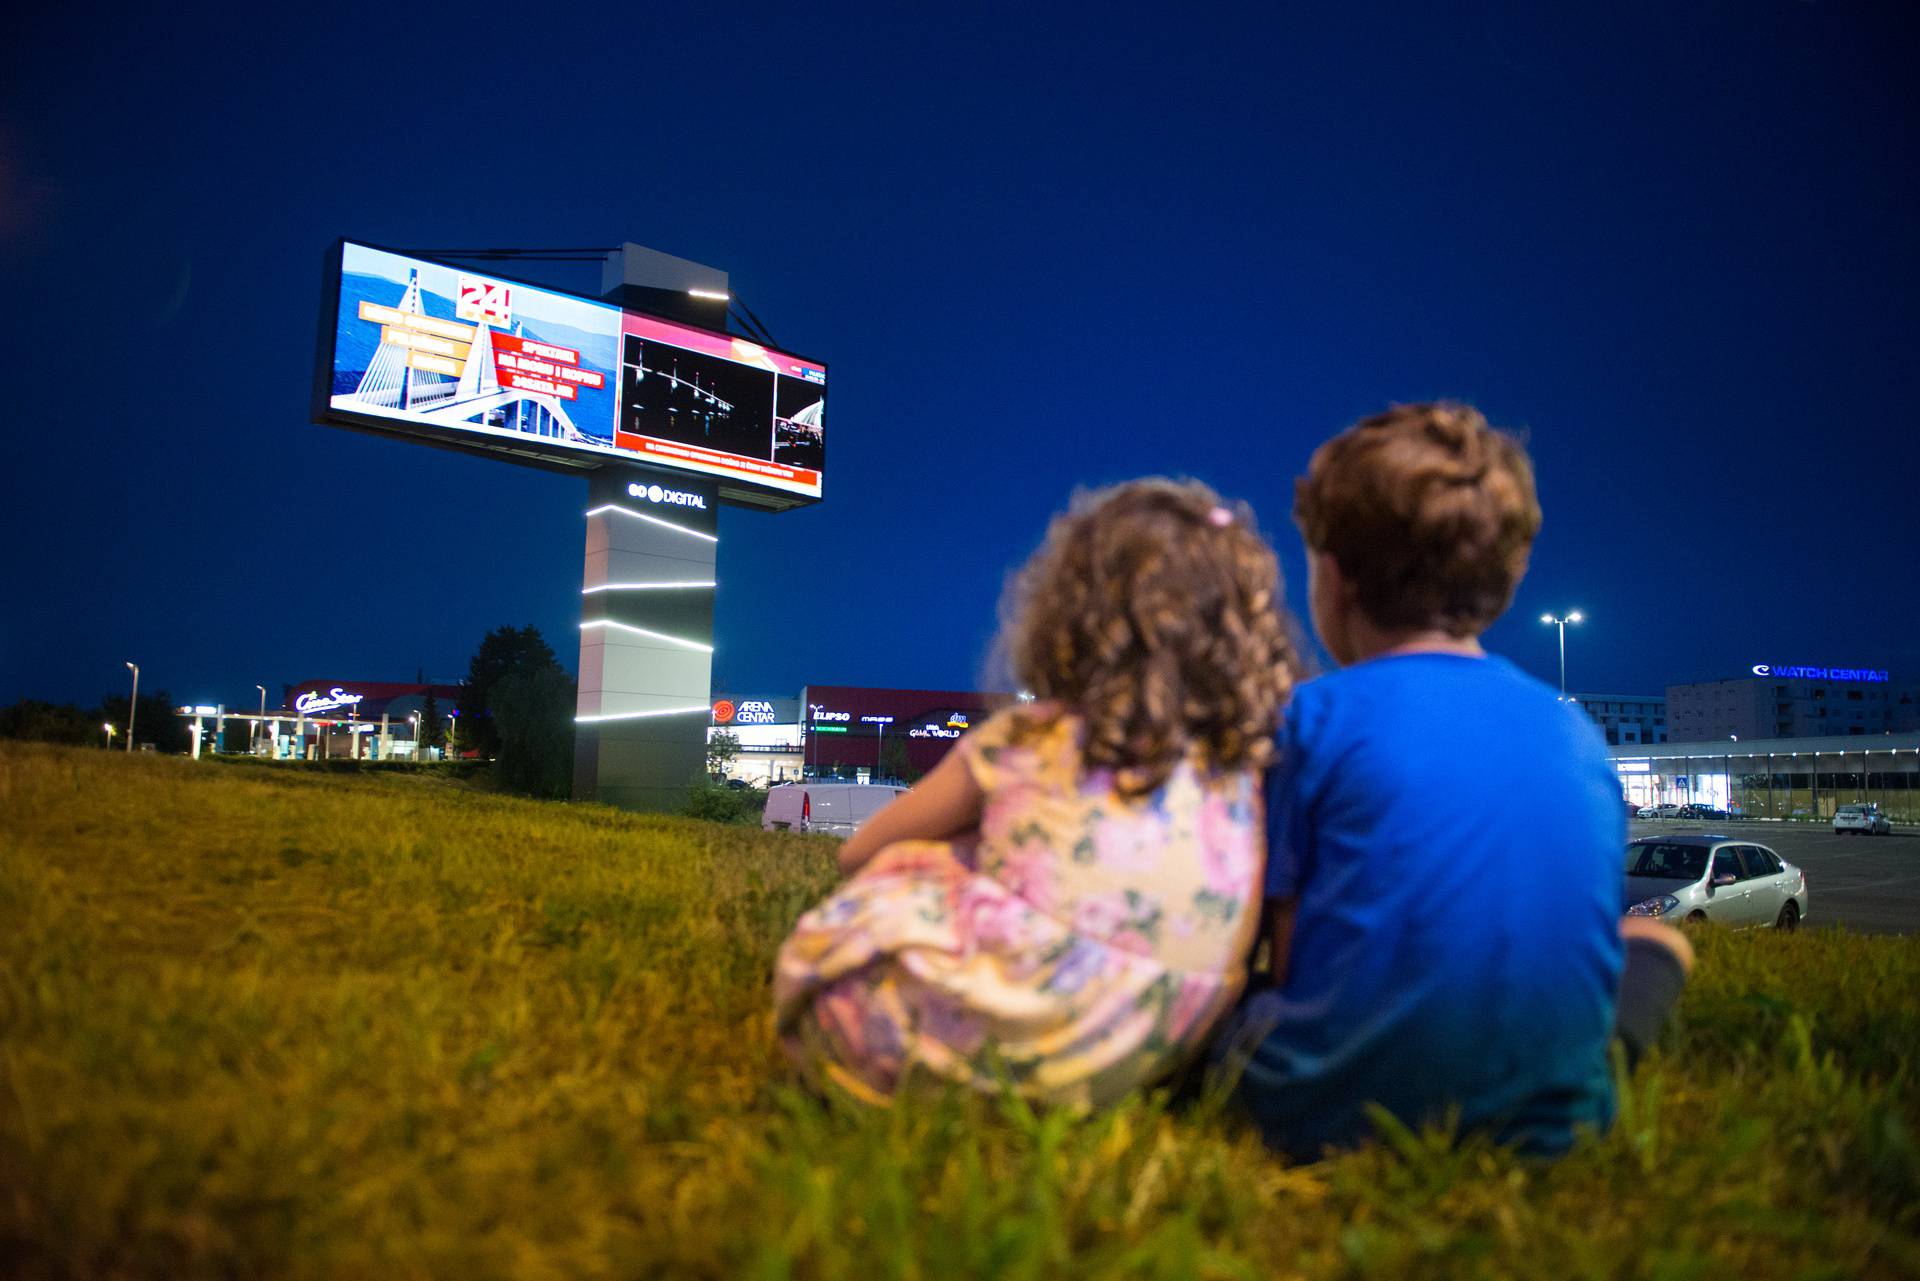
(265, 1022)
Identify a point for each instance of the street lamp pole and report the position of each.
(109, 728)
(133, 704)
(252, 739)
(1561, 621)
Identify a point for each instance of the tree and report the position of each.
(157, 722)
(533, 722)
(505, 652)
(895, 763)
(55, 723)
(722, 749)
(431, 735)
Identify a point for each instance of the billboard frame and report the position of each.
(732, 492)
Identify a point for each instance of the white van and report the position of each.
(837, 809)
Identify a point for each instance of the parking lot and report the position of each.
(1867, 883)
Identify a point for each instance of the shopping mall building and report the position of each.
(1777, 778)
(849, 731)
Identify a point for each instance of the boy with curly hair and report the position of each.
(1444, 879)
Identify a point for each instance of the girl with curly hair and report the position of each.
(1068, 901)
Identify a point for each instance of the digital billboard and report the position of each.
(497, 365)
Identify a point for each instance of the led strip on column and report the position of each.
(652, 520)
(701, 708)
(639, 587)
(641, 631)
(634, 716)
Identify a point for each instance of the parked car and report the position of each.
(1647, 811)
(836, 809)
(1666, 811)
(1714, 878)
(1701, 811)
(1864, 819)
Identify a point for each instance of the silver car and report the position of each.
(1714, 878)
(1865, 819)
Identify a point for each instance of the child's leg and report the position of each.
(1659, 958)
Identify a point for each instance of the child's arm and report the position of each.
(944, 803)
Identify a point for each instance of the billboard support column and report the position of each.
(646, 639)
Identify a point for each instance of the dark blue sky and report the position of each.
(1038, 252)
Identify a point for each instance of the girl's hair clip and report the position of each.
(1220, 517)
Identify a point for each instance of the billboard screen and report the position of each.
(492, 364)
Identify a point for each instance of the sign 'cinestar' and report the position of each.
(314, 701)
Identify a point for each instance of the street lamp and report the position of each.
(252, 744)
(109, 728)
(1561, 621)
(133, 704)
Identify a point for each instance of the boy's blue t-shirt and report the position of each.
(1454, 837)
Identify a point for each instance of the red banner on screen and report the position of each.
(748, 468)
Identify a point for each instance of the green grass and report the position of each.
(284, 1023)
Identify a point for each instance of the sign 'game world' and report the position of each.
(424, 349)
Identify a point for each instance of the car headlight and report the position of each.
(1660, 905)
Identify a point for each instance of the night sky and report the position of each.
(1676, 250)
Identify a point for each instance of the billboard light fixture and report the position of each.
(634, 716)
(641, 587)
(604, 508)
(641, 631)
(717, 295)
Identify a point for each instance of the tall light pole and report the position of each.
(1561, 621)
(109, 728)
(253, 744)
(133, 704)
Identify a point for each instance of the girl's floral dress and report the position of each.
(1081, 945)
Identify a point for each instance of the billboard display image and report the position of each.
(441, 347)
(799, 407)
(714, 403)
(472, 359)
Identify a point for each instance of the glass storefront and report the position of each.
(1780, 784)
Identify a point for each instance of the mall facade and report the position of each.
(1781, 778)
(847, 731)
